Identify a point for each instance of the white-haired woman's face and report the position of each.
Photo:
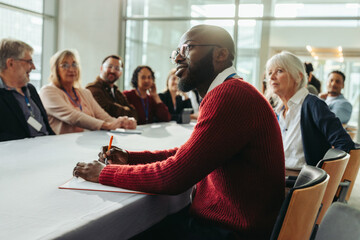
(281, 82)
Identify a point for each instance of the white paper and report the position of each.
(126, 131)
(77, 183)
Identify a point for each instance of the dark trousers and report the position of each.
(181, 225)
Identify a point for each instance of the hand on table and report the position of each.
(88, 171)
(127, 122)
(114, 156)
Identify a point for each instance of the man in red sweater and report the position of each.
(234, 155)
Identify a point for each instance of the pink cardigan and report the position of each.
(64, 117)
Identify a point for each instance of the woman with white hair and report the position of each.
(307, 125)
(71, 108)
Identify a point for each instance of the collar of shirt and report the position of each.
(298, 98)
(330, 98)
(2, 84)
(220, 78)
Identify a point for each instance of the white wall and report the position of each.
(91, 27)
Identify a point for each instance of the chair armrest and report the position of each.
(290, 181)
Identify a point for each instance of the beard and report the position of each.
(109, 80)
(199, 73)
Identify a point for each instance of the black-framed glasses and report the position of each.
(67, 66)
(29, 61)
(185, 49)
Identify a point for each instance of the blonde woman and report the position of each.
(71, 108)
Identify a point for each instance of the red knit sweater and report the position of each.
(234, 156)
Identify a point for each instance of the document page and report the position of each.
(77, 183)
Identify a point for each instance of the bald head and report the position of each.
(214, 35)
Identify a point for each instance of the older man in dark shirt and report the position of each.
(22, 113)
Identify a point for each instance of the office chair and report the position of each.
(334, 163)
(349, 176)
(301, 206)
(341, 221)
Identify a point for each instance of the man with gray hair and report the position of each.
(22, 112)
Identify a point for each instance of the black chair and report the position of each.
(301, 206)
(334, 164)
(341, 221)
(348, 179)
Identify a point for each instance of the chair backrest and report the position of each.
(301, 206)
(352, 169)
(334, 163)
(341, 221)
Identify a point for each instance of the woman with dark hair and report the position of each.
(144, 97)
(174, 99)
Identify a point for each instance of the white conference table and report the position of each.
(32, 206)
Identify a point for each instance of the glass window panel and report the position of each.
(247, 67)
(251, 10)
(33, 5)
(249, 33)
(175, 8)
(27, 28)
(151, 43)
(316, 10)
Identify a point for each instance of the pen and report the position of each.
(109, 147)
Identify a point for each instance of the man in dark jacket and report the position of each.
(106, 93)
(22, 112)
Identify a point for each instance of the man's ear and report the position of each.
(221, 54)
(9, 62)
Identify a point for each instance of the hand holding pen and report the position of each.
(109, 147)
(113, 155)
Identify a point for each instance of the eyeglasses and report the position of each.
(116, 68)
(67, 66)
(29, 61)
(185, 49)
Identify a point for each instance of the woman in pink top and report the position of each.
(71, 108)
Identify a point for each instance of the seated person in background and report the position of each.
(307, 125)
(174, 99)
(22, 112)
(334, 99)
(106, 93)
(71, 108)
(313, 84)
(235, 157)
(149, 107)
(195, 103)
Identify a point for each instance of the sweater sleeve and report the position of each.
(58, 106)
(161, 111)
(330, 126)
(144, 157)
(218, 136)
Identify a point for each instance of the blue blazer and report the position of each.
(12, 121)
(321, 130)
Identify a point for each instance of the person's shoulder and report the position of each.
(49, 88)
(312, 99)
(129, 92)
(236, 85)
(163, 94)
(95, 84)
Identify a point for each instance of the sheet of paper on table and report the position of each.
(77, 183)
